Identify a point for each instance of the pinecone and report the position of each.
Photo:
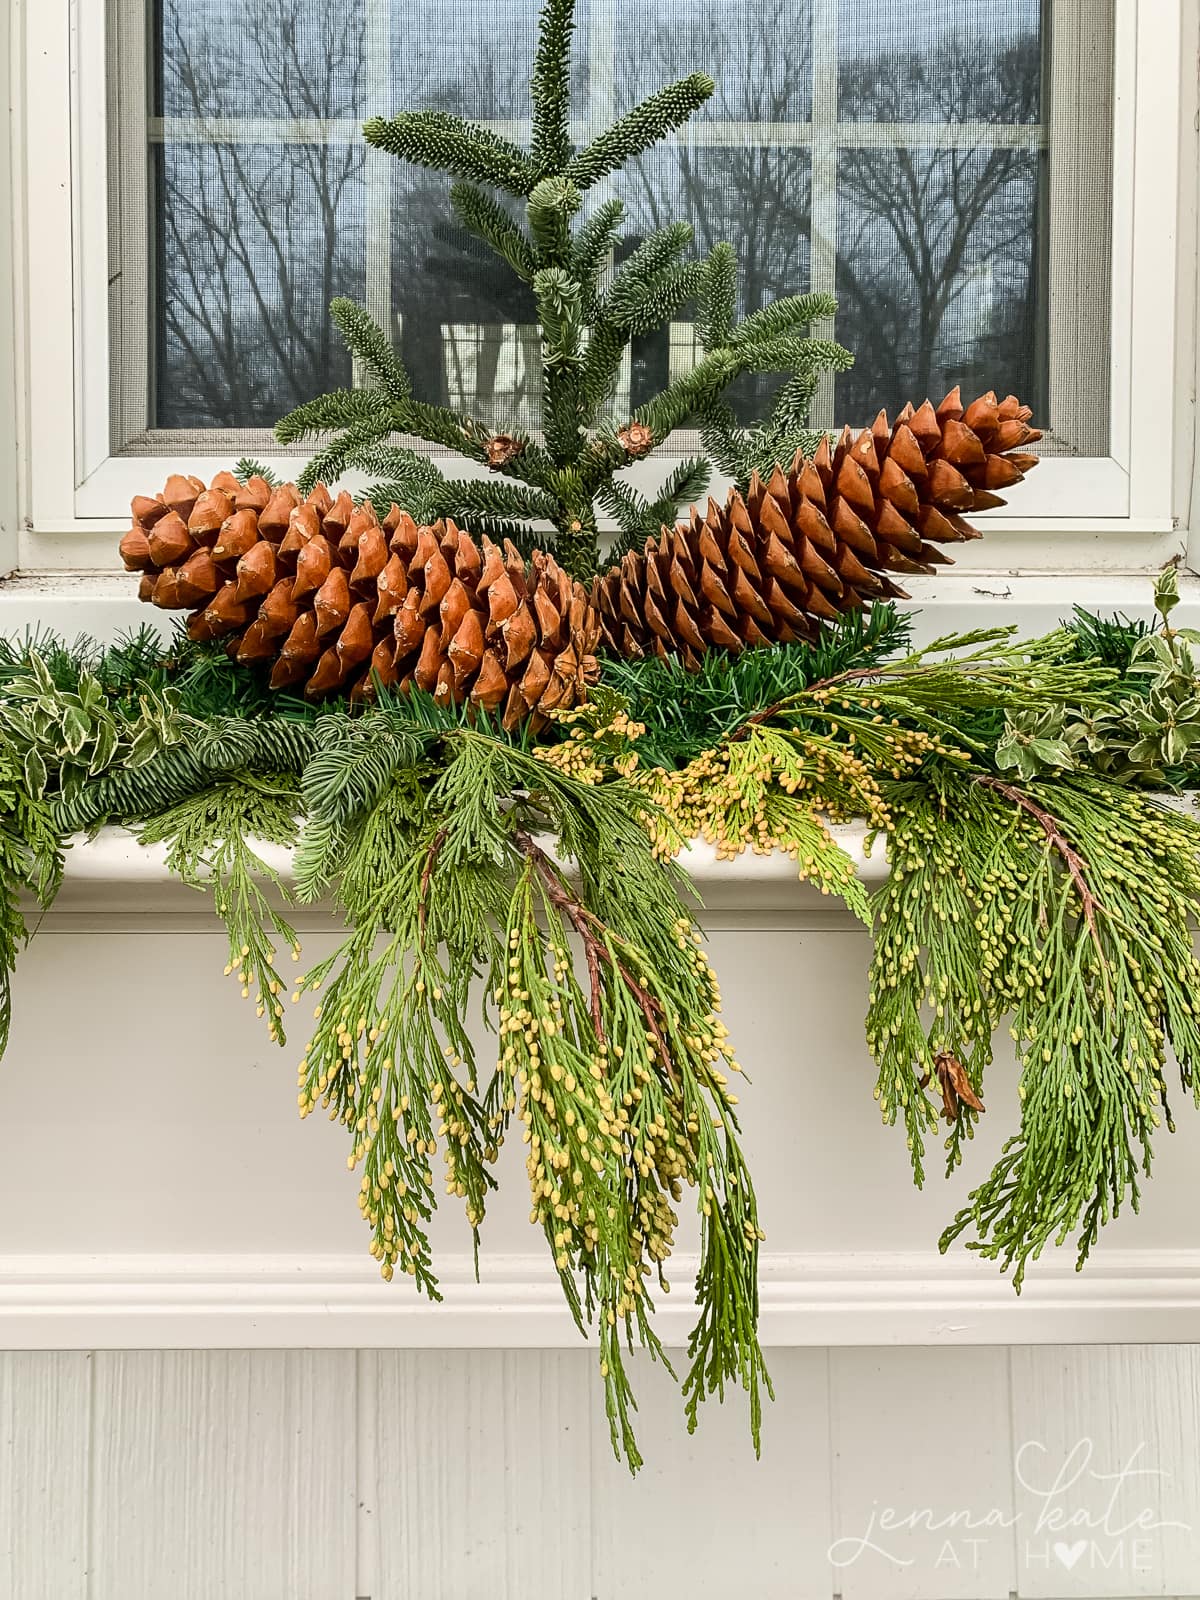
(768, 566)
(337, 599)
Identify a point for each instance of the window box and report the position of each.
(156, 1188)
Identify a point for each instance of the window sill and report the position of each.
(112, 875)
(104, 604)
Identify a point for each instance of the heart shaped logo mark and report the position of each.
(1069, 1554)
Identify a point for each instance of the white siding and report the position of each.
(487, 1475)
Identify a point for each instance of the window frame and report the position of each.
(1101, 513)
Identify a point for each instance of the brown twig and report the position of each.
(435, 846)
(596, 950)
(856, 675)
(1071, 858)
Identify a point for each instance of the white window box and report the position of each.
(158, 1190)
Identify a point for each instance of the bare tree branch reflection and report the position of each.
(938, 248)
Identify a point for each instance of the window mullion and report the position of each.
(823, 226)
(379, 171)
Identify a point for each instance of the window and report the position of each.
(989, 190)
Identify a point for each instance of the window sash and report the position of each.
(1126, 491)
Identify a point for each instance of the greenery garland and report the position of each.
(1035, 880)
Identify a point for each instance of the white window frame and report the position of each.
(1119, 512)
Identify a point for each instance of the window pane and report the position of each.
(940, 61)
(470, 56)
(254, 241)
(937, 274)
(259, 58)
(925, 160)
(758, 52)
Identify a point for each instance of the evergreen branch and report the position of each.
(552, 204)
(651, 258)
(785, 316)
(467, 499)
(718, 299)
(207, 836)
(1058, 841)
(561, 313)
(640, 307)
(336, 456)
(633, 134)
(248, 468)
(449, 144)
(629, 509)
(371, 348)
(593, 248)
(684, 486)
(550, 88)
(786, 352)
(365, 409)
(484, 217)
(690, 393)
(601, 365)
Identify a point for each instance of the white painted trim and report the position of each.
(9, 318)
(105, 603)
(1064, 504)
(64, 1302)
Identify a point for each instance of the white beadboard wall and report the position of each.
(902, 1474)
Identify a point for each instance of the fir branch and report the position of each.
(208, 835)
(449, 144)
(371, 348)
(638, 308)
(561, 311)
(365, 409)
(248, 468)
(595, 243)
(717, 310)
(552, 204)
(640, 128)
(486, 500)
(550, 87)
(489, 221)
(784, 317)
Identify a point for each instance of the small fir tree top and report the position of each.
(588, 314)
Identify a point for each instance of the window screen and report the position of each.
(943, 166)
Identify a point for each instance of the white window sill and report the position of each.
(111, 878)
(104, 604)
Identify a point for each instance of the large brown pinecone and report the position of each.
(337, 599)
(767, 566)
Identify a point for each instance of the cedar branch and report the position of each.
(596, 948)
(1072, 860)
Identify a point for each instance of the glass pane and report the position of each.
(937, 275)
(471, 57)
(962, 214)
(940, 61)
(254, 241)
(757, 51)
(259, 58)
(755, 197)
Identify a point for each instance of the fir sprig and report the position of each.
(586, 326)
